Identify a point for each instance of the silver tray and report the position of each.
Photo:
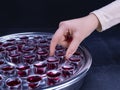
(72, 83)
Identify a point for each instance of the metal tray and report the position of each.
(72, 83)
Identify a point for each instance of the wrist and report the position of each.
(94, 21)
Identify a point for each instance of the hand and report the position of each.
(72, 32)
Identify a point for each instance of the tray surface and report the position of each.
(43, 72)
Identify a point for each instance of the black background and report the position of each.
(44, 13)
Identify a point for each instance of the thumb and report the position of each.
(72, 47)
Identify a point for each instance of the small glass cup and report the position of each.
(53, 77)
(20, 45)
(43, 41)
(37, 38)
(67, 70)
(11, 49)
(40, 67)
(34, 81)
(42, 54)
(24, 39)
(13, 83)
(75, 60)
(23, 70)
(8, 70)
(79, 53)
(29, 58)
(52, 62)
(61, 55)
(12, 41)
(15, 57)
(28, 49)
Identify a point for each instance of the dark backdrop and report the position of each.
(44, 13)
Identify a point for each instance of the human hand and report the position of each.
(72, 32)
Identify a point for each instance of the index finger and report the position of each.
(55, 40)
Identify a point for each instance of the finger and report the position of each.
(72, 47)
(64, 44)
(55, 40)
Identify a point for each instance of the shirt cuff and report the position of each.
(108, 16)
(101, 18)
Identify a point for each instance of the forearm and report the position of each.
(108, 16)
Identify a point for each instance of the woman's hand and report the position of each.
(72, 32)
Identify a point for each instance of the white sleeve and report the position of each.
(109, 15)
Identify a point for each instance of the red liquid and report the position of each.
(32, 42)
(2, 62)
(61, 55)
(7, 68)
(44, 46)
(53, 73)
(13, 82)
(33, 81)
(67, 67)
(1, 49)
(28, 49)
(39, 71)
(15, 58)
(42, 54)
(2, 52)
(20, 44)
(53, 77)
(40, 68)
(1, 43)
(43, 41)
(23, 71)
(40, 64)
(29, 58)
(52, 63)
(74, 59)
(7, 44)
(52, 59)
(23, 67)
(37, 37)
(11, 48)
(12, 40)
(77, 53)
(24, 38)
(67, 70)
